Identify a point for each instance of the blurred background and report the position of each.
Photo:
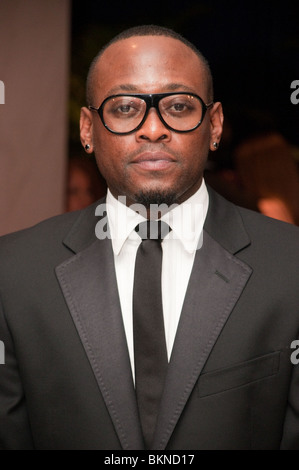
(253, 51)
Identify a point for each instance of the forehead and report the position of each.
(148, 64)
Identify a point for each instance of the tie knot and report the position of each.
(153, 230)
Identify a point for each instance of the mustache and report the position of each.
(149, 147)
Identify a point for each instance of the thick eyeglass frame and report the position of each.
(152, 101)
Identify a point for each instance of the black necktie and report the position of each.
(150, 354)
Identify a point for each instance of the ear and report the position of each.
(86, 129)
(216, 125)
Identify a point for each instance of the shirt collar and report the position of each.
(122, 221)
(186, 220)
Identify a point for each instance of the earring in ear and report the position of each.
(87, 147)
(215, 145)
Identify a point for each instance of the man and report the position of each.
(230, 290)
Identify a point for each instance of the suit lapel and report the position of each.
(216, 283)
(89, 285)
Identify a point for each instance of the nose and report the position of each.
(153, 129)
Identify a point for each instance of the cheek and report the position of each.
(110, 152)
(107, 143)
(194, 150)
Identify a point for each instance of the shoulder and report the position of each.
(53, 228)
(264, 237)
(44, 242)
(270, 231)
(274, 244)
(255, 222)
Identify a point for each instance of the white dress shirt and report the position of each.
(179, 247)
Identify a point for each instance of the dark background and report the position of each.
(252, 48)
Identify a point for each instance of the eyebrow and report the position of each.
(130, 88)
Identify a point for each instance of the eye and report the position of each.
(179, 106)
(125, 108)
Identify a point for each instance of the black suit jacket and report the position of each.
(66, 382)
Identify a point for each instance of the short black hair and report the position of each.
(147, 30)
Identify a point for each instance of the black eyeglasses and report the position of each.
(179, 112)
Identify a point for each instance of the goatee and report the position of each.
(155, 197)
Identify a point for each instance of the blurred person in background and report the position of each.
(266, 173)
(85, 184)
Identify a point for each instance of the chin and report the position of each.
(148, 197)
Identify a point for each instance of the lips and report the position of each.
(154, 161)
